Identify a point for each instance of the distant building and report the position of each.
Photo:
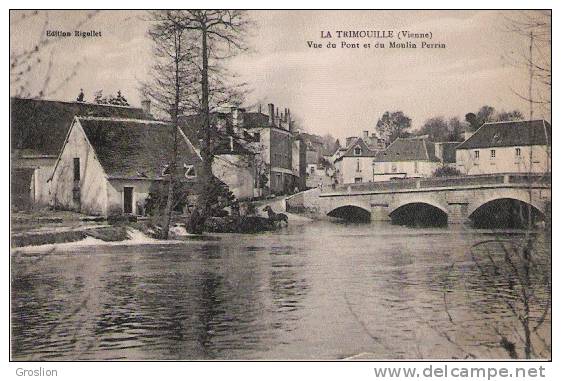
(502, 147)
(299, 163)
(406, 157)
(234, 164)
(271, 140)
(354, 165)
(107, 166)
(276, 137)
(270, 137)
(38, 132)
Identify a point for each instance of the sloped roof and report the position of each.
(365, 150)
(191, 127)
(133, 148)
(42, 125)
(509, 134)
(408, 149)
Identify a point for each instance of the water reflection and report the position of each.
(324, 290)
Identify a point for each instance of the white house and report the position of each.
(502, 147)
(38, 128)
(406, 157)
(355, 164)
(107, 166)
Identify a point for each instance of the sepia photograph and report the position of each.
(282, 185)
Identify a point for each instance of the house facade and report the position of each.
(355, 165)
(276, 138)
(38, 130)
(503, 147)
(108, 166)
(406, 157)
(234, 164)
(270, 137)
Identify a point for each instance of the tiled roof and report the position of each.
(408, 149)
(509, 134)
(132, 148)
(191, 126)
(42, 125)
(365, 150)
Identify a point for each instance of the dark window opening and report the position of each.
(127, 199)
(76, 169)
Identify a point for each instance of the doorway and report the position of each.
(127, 200)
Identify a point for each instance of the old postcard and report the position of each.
(280, 185)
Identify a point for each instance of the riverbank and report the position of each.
(47, 227)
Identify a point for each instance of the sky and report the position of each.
(338, 91)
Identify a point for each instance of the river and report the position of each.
(321, 290)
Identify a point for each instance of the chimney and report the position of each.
(145, 104)
(349, 141)
(271, 114)
(365, 135)
(439, 150)
(237, 118)
(259, 108)
(288, 115)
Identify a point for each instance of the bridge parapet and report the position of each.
(443, 182)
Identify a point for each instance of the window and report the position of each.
(493, 153)
(358, 165)
(518, 152)
(76, 169)
(358, 151)
(189, 171)
(477, 154)
(358, 179)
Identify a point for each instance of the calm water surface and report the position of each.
(322, 290)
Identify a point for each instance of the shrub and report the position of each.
(446, 172)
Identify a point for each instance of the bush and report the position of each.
(446, 172)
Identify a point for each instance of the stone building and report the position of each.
(406, 157)
(107, 166)
(38, 129)
(502, 147)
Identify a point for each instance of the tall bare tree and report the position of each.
(171, 85)
(218, 35)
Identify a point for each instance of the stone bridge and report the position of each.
(457, 198)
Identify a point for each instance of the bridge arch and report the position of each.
(506, 210)
(419, 212)
(351, 212)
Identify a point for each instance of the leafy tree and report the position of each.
(489, 114)
(509, 115)
(436, 129)
(393, 125)
(440, 130)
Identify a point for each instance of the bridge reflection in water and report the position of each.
(497, 200)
